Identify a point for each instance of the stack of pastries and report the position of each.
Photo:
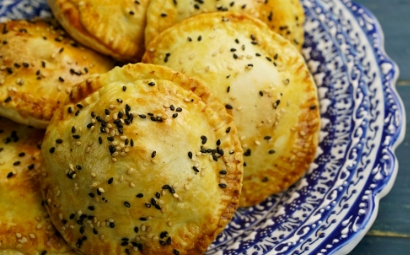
(213, 108)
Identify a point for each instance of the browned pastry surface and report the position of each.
(25, 227)
(264, 83)
(39, 64)
(151, 164)
(285, 17)
(112, 27)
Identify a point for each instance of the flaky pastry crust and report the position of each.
(25, 227)
(285, 17)
(151, 164)
(39, 64)
(264, 83)
(112, 27)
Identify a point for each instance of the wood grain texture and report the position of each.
(390, 233)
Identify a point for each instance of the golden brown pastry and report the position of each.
(285, 17)
(264, 83)
(151, 165)
(112, 27)
(25, 226)
(39, 64)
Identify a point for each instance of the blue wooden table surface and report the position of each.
(390, 233)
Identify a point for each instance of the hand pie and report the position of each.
(112, 27)
(151, 164)
(285, 17)
(38, 67)
(263, 82)
(25, 227)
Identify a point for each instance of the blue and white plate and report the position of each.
(331, 208)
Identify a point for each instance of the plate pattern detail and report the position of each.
(362, 122)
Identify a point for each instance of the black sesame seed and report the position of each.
(199, 38)
(271, 152)
(95, 231)
(112, 225)
(124, 88)
(179, 109)
(52, 149)
(136, 229)
(59, 141)
(172, 108)
(312, 107)
(176, 252)
(162, 243)
(9, 175)
(127, 204)
(31, 167)
(73, 129)
(70, 110)
(267, 137)
(143, 219)
(228, 106)
(169, 241)
(153, 154)
(72, 216)
(8, 99)
(82, 229)
(16, 163)
(76, 136)
(151, 83)
(43, 252)
(91, 194)
(110, 138)
(190, 155)
(140, 195)
(79, 106)
(157, 195)
(147, 205)
(265, 179)
(107, 112)
(100, 140)
(204, 139)
(247, 152)
(78, 167)
(110, 180)
(222, 185)
(174, 115)
(91, 208)
(124, 243)
(195, 169)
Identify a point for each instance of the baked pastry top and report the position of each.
(38, 66)
(25, 227)
(151, 164)
(112, 27)
(264, 83)
(285, 17)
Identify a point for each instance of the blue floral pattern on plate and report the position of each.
(331, 208)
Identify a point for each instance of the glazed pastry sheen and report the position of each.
(112, 27)
(285, 17)
(39, 64)
(25, 227)
(263, 82)
(150, 164)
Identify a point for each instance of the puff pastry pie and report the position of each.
(152, 164)
(39, 64)
(25, 227)
(285, 17)
(264, 83)
(112, 27)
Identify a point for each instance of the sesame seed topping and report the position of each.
(222, 185)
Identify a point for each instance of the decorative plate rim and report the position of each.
(384, 187)
(347, 248)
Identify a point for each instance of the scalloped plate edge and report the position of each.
(348, 247)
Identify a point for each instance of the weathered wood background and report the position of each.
(390, 233)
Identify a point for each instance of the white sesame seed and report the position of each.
(93, 175)
(39, 226)
(114, 159)
(78, 143)
(132, 185)
(131, 170)
(32, 236)
(101, 190)
(18, 235)
(169, 224)
(123, 137)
